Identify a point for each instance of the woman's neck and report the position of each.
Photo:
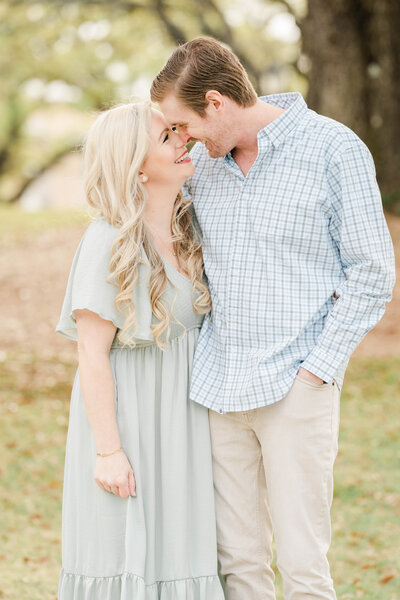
(159, 209)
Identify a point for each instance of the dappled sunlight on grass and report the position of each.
(366, 510)
(35, 392)
(34, 416)
(17, 224)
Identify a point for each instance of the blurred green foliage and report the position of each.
(84, 56)
(53, 55)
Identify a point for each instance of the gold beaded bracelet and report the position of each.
(103, 454)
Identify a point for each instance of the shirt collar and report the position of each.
(295, 109)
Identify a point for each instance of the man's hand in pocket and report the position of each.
(308, 376)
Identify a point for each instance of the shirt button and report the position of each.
(221, 412)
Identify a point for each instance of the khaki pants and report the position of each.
(273, 475)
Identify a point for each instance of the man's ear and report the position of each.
(215, 100)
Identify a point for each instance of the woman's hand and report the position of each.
(114, 474)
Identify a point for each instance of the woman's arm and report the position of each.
(95, 335)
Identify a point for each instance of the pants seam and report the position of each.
(328, 473)
(259, 530)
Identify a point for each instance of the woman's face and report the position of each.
(167, 161)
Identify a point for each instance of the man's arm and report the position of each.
(359, 229)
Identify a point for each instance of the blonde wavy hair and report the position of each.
(115, 149)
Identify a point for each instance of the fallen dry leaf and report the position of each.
(386, 579)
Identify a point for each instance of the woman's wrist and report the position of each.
(105, 454)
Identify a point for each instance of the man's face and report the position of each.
(211, 129)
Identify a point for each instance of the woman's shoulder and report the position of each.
(97, 240)
(100, 228)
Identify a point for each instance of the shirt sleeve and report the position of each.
(359, 230)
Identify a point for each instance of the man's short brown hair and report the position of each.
(201, 65)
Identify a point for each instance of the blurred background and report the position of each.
(62, 62)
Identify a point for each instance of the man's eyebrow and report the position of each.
(163, 131)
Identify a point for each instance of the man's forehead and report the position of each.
(175, 112)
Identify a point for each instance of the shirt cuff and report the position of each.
(321, 364)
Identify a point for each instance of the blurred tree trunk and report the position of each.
(354, 49)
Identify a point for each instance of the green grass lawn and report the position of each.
(16, 224)
(366, 512)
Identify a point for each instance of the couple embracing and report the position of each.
(221, 292)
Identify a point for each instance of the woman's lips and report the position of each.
(184, 158)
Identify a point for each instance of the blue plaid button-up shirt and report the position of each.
(305, 222)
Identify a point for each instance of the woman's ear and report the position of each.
(143, 178)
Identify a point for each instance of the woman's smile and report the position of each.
(184, 158)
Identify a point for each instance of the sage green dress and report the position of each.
(160, 544)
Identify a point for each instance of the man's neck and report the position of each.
(252, 120)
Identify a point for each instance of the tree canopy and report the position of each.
(88, 55)
(74, 58)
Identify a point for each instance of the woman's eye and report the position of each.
(166, 137)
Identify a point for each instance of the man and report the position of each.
(300, 265)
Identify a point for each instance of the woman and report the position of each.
(138, 510)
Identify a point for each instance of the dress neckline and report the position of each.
(168, 264)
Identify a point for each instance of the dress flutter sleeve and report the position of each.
(87, 283)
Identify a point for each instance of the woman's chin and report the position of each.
(188, 170)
